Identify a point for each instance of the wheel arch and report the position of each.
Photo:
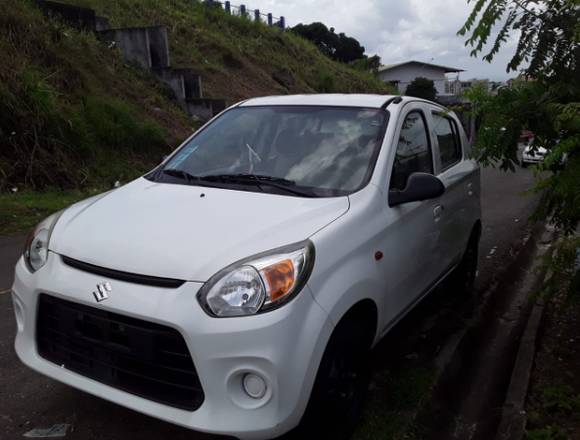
(365, 312)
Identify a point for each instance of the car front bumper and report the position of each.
(283, 346)
(527, 158)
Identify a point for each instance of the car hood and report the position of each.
(185, 232)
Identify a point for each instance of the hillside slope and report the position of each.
(74, 114)
(237, 58)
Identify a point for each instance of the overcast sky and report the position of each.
(397, 30)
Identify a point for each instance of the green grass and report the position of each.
(393, 402)
(21, 211)
(72, 113)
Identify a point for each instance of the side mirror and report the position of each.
(420, 186)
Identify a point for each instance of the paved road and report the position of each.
(29, 400)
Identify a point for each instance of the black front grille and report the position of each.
(139, 357)
(134, 278)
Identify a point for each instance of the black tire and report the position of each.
(464, 275)
(523, 164)
(341, 385)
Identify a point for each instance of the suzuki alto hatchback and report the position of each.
(238, 287)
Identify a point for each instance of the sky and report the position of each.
(398, 30)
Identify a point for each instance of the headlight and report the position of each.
(258, 283)
(36, 248)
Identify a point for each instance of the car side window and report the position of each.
(448, 139)
(413, 151)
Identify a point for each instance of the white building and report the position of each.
(401, 74)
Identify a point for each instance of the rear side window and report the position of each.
(413, 151)
(448, 139)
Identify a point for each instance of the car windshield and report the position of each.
(310, 151)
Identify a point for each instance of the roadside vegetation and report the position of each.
(546, 99)
(553, 405)
(72, 114)
(23, 210)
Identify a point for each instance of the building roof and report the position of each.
(447, 69)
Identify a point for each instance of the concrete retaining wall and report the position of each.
(146, 46)
(173, 79)
(80, 18)
(192, 83)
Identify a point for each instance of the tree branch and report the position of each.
(518, 3)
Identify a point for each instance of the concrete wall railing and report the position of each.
(252, 14)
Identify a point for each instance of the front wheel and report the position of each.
(341, 385)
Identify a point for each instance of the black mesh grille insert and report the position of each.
(139, 357)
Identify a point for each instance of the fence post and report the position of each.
(282, 23)
(228, 7)
(256, 15)
(270, 19)
(243, 10)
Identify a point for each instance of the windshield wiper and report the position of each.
(174, 172)
(258, 179)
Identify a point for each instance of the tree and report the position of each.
(348, 49)
(422, 88)
(546, 100)
(338, 47)
(367, 64)
(319, 34)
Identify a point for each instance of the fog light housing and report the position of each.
(254, 386)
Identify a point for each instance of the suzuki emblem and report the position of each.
(102, 292)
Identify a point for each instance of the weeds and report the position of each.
(548, 433)
(559, 399)
(390, 416)
(21, 211)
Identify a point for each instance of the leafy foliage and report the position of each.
(560, 399)
(339, 47)
(545, 99)
(368, 64)
(548, 433)
(422, 88)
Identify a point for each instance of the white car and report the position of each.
(533, 155)
(239, 287)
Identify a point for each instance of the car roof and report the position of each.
(329, 99)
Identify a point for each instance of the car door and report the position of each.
(412, 229)
(456, 173)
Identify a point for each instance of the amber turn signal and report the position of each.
(280, 278)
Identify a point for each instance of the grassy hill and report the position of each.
(237, 58)
(73, 114)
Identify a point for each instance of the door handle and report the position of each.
(437, 210)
